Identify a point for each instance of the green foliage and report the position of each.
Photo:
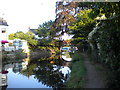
(20, 35)
(82, 26)
(107, 8)
(107, 38)
(11, 36)
(43, 30)
(46, 38)
(29, 37)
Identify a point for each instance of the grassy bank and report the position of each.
(77, 78)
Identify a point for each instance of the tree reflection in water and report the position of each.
(47, 76)
(48, 71)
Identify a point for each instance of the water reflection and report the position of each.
(65, 70)
(66, 56)
(37, 73)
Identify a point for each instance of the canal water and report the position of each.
(50, 72)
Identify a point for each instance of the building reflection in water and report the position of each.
(16, 67)
(50, 72)
(3, 78)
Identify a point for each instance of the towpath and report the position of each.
(94, 78)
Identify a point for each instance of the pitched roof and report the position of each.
(33, 31)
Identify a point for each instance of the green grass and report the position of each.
(77, 78)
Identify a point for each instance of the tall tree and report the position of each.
(65, 12)
(104, 33)
(44, 29)
(44, 33)
(82, 26)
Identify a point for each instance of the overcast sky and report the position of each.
(20, 14)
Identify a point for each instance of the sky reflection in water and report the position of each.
(38, 74)
(16, 80)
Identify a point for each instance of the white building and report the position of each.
(3, 30)
(17, 44)
(3, 36)
(20, 44)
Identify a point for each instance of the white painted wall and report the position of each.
(3, 36)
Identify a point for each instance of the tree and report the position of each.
(43, 30)
(65, 12)
(105, 37)
(29, 37)
(44, 33)
(99, 24)
(81, 28)
(11, 36)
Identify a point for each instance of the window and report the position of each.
(3, 30)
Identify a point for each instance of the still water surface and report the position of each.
(50, 72)
(16, 80)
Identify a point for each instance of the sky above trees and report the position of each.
(21, 14)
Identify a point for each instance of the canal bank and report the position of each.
(86, 74)
(78, 72)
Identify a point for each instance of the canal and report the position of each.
(44, 72)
